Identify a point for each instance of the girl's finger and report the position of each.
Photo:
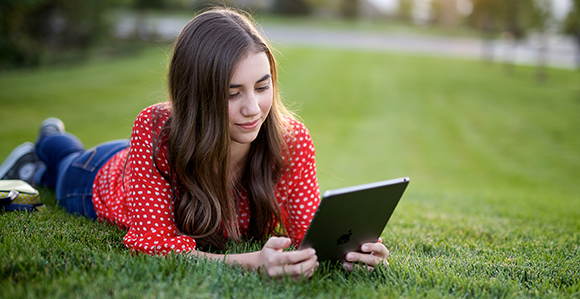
(303, 269)
(377, 249)
(296, 257)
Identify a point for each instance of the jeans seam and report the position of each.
(90, 168)
(89, 160)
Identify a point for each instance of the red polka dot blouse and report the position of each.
(130, 191)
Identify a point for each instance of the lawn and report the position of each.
(494, 159)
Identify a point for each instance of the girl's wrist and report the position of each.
(248, 261)
(253, 260)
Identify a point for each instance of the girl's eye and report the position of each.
(263, 88)
(233, 95)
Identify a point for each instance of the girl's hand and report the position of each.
(272, 261)
(372, 256)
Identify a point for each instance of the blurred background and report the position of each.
(537, 32)
(467, 97)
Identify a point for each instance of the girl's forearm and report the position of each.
(248, 261)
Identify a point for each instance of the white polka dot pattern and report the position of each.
(143, 203)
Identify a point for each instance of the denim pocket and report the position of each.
(93, 159)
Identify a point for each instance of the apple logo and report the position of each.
(344, 238)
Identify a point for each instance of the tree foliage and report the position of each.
(292, 8)
(444, 12)
(151, 4)
(510, 16)
(349, 9)
(405, 12)
(572, 27)
(32, 30)
(572, 22)
(15, 47)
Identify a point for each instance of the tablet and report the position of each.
(348, 217)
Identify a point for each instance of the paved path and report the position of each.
(560, 52)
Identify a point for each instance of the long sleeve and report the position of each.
(150, 208)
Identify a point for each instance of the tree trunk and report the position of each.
(510, 49)
(577, 38)
(487, 45)
(541, 74)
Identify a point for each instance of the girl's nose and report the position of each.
(250, 106)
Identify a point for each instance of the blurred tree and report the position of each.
(513, 18)
(151, 4)
(486, 17)
(572, 27)
(319, 3)
(444, 12)
(32, 30)
(540, 17)
(292, 7)
(514, 29)
(142, 30)
(17, 48)
(198, 5)
(349, 9)
(405, 11)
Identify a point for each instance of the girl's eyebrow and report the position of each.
(266, 77)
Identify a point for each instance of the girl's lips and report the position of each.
(249, 125)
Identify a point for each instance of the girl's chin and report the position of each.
(245, 138)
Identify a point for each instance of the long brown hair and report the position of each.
(197, 133)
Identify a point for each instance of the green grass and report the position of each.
(492, 209)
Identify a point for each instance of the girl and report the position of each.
(222, 161)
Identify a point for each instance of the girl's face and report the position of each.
(250, 97)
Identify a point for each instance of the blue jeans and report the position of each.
(72, 170)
